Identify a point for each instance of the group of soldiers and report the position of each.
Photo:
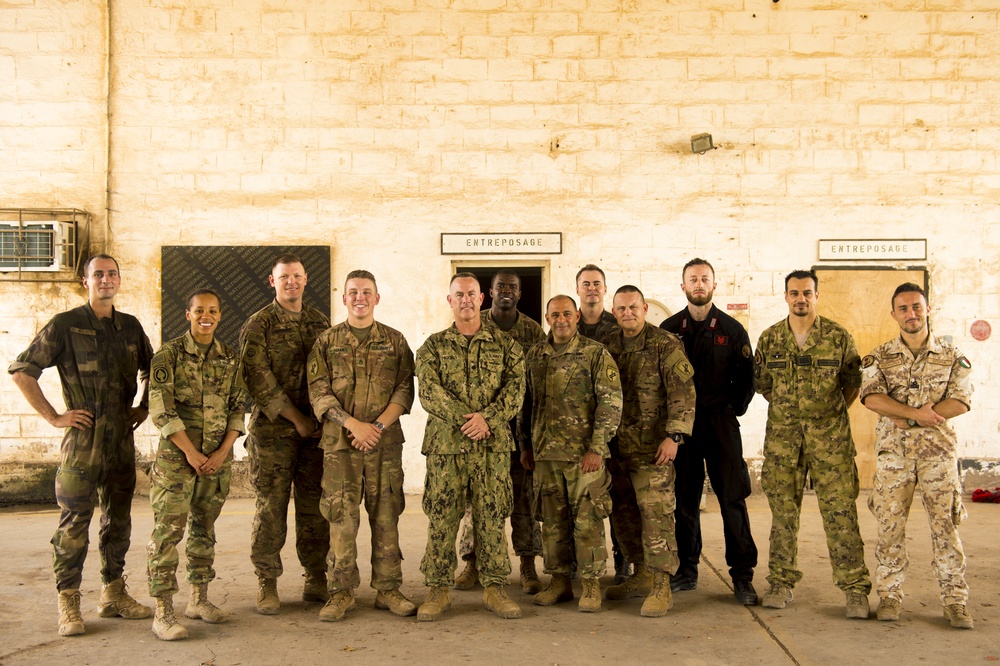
(606, 416)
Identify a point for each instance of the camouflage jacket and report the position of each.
(936, 373)
(575, 398)
(361, 378)
(526, 331)
(607, 326)
(274, 347)
(204, 396)
(456, 376)
(657, 388)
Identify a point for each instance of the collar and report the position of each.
(712, 321)
(96, 321)
(191, 347)
(571, 346)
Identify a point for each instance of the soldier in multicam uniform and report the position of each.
(197, 401)
(524, 532)
(915, 383)
(98, 352)
(808, 369)
(360, 383)
(659, 400)
(283, 445)
(471, 383)
(574, 407)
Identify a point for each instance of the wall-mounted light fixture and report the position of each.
(702, 143)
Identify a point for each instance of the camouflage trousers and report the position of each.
(180, 497)
(484, 477)
(626, 521)
(525, 535)
(81, 484)
(644, 519)
(572, 506)
(279, 465)
(896, 477)
(377, 475)
(836, 489)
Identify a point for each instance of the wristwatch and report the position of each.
(676, 437)
(911, 423)
(379, 425)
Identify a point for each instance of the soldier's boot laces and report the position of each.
(777, 596)
(165, 624)
(857, 606)
(590, 600)
(560, 588)
(200, 608)
(958, 616)
(336, 608)
(267, 596)
(314, 588)
(469, 576)
(116, 602)
(495, 599)
(529, 577)
(660, 599)
(395, 602)
(437, 602)
(888, 610)
(637, 585)
(70, 619)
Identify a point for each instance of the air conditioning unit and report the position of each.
(46, 245)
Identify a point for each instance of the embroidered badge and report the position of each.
(746, 351)
(868, 361)
(964, 362)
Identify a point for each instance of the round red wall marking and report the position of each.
(980, 329)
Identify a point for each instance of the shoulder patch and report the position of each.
(964, 362)
(868, 361)
(160, 374)
(758, 358)
(612, 374)
(684, 370)
(746, 351)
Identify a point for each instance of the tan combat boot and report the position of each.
(857, 606)
(200, 608)
(70, 619)
(336, 608)
(395, 602)
(267, 596)
(165, 624)
(495, 599)
(469, 576)
(958, 616)
(314, 588)
(529, 577)
(636, 585)
(437, 602)
(560, 588)
(590, 600)
(116, 602)
(660, 599)
(777, 596)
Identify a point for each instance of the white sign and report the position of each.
(502, 243)
(879, 249)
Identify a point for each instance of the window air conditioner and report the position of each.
(38, 246)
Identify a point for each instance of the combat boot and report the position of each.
(660, 599)
(857, 606)
(590, 600)
(469, 576)
(560, 588)
(116, 602)
(165, 624)
(958, 616)
(70, 619)
(437, 602)
(777, 596)
(336, 608)
(622, 568)
(637, 585)
(267, 596)
(888, 609)
(314, 588)
(529, 577)
(200, 608)
(395, 602)
(495, 599)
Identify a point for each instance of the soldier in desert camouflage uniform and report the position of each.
(809, 371)
(197, 401)
(471, 383)
(574, 407)
(659, 400)
(98, 352)
(360, 383)
(916, 383)
(283, 445)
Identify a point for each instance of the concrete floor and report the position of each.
(706, 626)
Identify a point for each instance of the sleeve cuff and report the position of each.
(170, 427)
(274, 408)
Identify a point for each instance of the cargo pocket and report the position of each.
(600, 496)
(958, 512)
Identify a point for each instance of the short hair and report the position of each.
(508, 272)
(630, 289)
(590, 267)
(907, 287)
(360, 274)
(465, 274)
(287, 258)
(90, 260)
(697, 261)
(558, 296)
(202, 292)
(802, 275)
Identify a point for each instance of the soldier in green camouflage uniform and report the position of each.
(574, 406)
(197, 401)
(98, 352)
(360, 383)
(659, 400)
(471, 383)
(525, 534)
(808, 369)
(916, 383)
(283, 445)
